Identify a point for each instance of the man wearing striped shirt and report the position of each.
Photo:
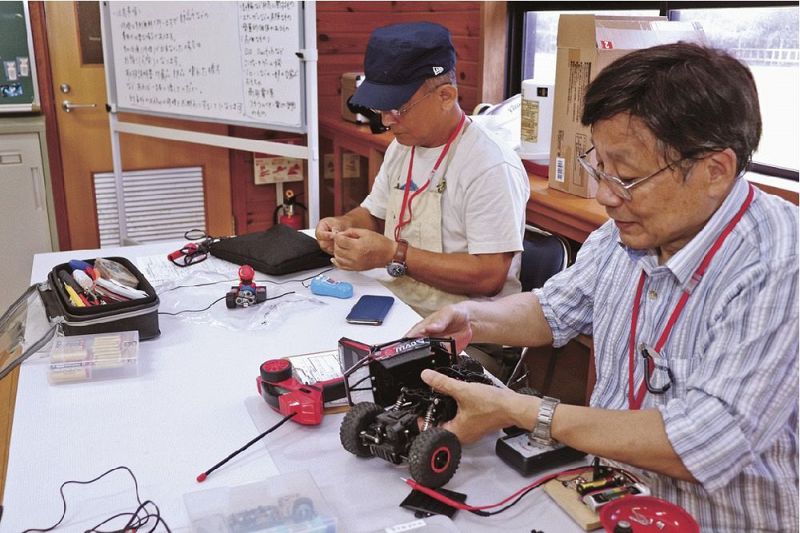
(690, 292)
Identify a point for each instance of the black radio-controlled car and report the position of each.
(401, 424)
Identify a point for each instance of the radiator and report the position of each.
(159, 205)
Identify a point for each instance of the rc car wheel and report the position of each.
(434, 457)
(230, 300)
(469, 364)
(361, 415)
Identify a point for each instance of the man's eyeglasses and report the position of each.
(620, 187)
(405, 108)
(660, 379)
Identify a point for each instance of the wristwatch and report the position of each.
(541, 431)
(397, 267)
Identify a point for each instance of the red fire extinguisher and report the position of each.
(289, 215)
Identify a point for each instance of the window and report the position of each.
(764, 35)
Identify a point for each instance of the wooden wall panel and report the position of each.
(343, 29)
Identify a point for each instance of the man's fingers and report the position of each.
(439, 382)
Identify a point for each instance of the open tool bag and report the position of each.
(47, 309)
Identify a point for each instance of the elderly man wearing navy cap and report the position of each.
(446, 213)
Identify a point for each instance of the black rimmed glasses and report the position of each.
(620, 187)
(659, 380)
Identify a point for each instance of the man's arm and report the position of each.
(515, 320)
(456, 273)
(636, 438)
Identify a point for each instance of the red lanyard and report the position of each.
(635, 400)
(402, 221)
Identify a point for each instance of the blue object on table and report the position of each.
(77, 264)
(324, 286)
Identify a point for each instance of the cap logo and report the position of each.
(437, 70)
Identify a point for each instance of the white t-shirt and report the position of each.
(483, 205)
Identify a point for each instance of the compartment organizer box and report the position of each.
(45, 310)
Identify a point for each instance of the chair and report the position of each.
(543, 255)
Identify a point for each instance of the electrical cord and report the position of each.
(134, 523)
(215, 301)
(481, 509)
(284, 282)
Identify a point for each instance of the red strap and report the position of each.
(402, 221)
(635, 399)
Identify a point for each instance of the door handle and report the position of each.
(68, 106)
(37, 188)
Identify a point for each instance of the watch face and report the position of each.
(396, 270)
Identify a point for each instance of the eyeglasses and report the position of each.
(660, 379)
(617, 185)
(405, 108)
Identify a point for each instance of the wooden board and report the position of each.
(571, 503)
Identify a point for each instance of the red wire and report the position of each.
(458, 505)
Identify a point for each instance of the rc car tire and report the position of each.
(434, 457)
(469, 364)
(360, 416)
(230, 300)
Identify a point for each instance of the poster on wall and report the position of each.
(18, 89)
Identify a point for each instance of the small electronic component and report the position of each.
(528, 457)
(595, 500)
(322, 285)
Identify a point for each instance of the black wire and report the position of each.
(255, 281)
(280, 296)
(193, 310)
(134, 520)
(215, 301)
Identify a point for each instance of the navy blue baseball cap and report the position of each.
(399, 59)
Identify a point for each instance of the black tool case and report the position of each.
(23, 332)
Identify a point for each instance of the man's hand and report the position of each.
(449, 321)
(482, 409)
(326, 231)
(361, 249)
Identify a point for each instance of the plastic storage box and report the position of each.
(94, 357)
(289, 503)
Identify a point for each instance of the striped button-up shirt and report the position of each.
(731, 413)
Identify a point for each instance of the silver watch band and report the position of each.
(544, 421)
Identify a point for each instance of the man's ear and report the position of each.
(448, 95)
(720, 168)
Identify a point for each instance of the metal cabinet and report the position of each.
(26, 226)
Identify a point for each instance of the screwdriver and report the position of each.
(74, 290)
(87, 284)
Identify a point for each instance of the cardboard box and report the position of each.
(586, 44)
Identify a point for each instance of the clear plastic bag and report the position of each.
(200, 297)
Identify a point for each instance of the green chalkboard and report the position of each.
(18, 91)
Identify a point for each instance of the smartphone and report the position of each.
(370, 309)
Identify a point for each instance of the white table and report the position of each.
(195, 401)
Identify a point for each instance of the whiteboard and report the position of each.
(229, 62)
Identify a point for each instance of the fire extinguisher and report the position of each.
(289, 216)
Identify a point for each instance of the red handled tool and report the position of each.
(287, 395)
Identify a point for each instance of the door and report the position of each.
(79, 88)
(83, 132)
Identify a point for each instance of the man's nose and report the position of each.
(388, 118)
(606, 197)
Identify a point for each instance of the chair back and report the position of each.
(543, 256)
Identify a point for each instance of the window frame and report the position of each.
(516, 28)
